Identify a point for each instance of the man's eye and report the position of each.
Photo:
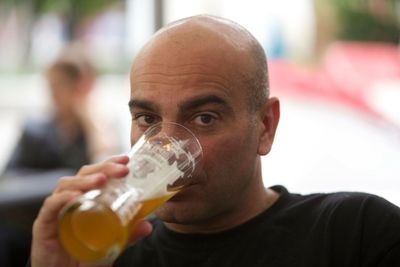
(204, 119)
(145, 119)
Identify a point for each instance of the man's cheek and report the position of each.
(219, 155)
(212, 151)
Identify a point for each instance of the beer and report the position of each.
(96, 233)
(95, 227)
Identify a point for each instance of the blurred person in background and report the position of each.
(71, 136)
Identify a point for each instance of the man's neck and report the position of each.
(232, 218)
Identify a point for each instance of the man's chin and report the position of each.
(181, 207)
(188, 193)
(177, 210)
(170, 213)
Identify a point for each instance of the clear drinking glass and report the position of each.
(95, 227)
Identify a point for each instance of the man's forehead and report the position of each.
(194, 53)
(205, 37)
(181, 80)
(179, 94)
(188, 67)
(197, 54)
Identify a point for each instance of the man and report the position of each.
(210, 75)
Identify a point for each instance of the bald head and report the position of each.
(225, 42)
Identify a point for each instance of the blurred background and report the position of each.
(335, 65)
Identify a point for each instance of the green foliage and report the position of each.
(359, 21)
(80, 8)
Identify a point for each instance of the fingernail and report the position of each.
(123, 168)
(98, 177)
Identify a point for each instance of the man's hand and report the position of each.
(47, 251)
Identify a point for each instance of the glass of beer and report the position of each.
(95, 227)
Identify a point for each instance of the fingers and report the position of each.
(142, 229)
(54, 203)
(95, 175)
(45, 228)
(113, 167)
(79, 183)
(89, 177)
(45, 225)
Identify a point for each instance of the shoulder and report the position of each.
(363, 207)
(349, 202)
(37, 132)
(371, 219)
(38, 126)
(366, 224)
(362, 202)
(376, 223)
(341, 210)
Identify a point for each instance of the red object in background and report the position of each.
(348, 72)
(355, 66)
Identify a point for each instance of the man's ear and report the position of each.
(269, 122)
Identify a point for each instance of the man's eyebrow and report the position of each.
(203, 100)
(143, 104)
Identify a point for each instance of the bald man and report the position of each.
(210, 75)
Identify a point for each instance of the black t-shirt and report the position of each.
(339, 229)
(42, 147)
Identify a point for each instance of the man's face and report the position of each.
(63, 91)
(195, 88)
